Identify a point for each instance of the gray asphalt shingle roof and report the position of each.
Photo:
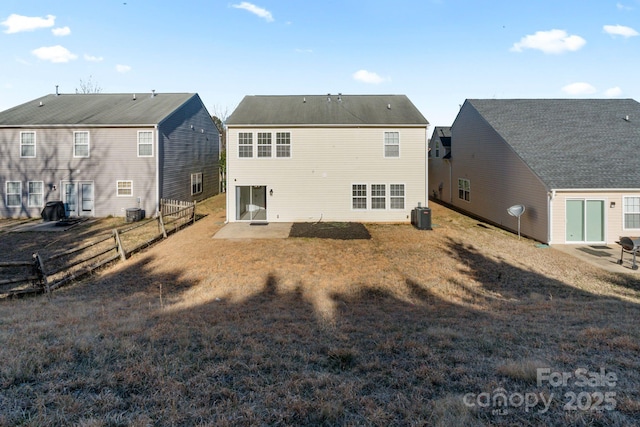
(95, 109)
(326, 110)
(571, 143)
(444, 133)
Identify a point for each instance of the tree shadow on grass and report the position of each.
(382, 355)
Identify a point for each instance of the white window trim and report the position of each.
(366, 197)
(118, 188)
(196, 175)
(252, 145)
(270, 145)
(88, 144)
(462, 198)
(624, 223)
(29, 195)
(385, 197)
(384, 144)
(6, 192)
(404, 196)
(145, 143)
(290, 145)
(35, 145)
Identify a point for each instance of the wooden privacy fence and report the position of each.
(43, 275)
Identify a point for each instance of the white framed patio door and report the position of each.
(585, 221)
(78, 198)
(251, 203)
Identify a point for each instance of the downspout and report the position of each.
(552, 195)
(426, 167)
(157, 169)
(450, 182)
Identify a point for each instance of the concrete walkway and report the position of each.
(603, 256)
(244, 230)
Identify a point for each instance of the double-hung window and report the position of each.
(36, 194)
(245, 144)
(283, 144)
(378, 196)
(124, 188)
(464, 189)
(196, 183)
(81, 144)
(145, 143)
(264, 144)
(392, 144)
(359, 196)
(631, 212)
(27, 144)
(396, 196)
(14, 193)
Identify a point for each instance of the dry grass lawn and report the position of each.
(410, 327)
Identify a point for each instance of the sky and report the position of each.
(437, 52)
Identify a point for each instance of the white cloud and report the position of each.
(620, 30)
(62, 31)
(256, 10)
(365, 76)
(123, 68)
(579, 88)
(621, 6)
(18, 23)
(92, 58)
(54, 54)
(613, 92)
(552, 41)
(304, 50)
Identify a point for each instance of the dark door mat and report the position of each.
(330, 230)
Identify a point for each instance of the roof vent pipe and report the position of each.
(339, 97)
(388, 106)
(328, 97)
(304, 100)
(41, 104)
(626, 118)
(153, 93)
(134, 97)
(57, 90)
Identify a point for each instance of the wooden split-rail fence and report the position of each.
(47, 274)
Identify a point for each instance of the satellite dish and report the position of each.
(517, 211)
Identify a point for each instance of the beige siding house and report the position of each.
(572, 163)
(101, 154)
(439, 165)
(326, 158)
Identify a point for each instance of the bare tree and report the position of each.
(219, 117)
(89, 86)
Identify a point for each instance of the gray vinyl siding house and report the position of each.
(573, 164)
(104, 153)
(326, 158)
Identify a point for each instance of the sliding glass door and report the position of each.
(251, 203)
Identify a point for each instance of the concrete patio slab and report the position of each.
(243, 230)
(603, 256)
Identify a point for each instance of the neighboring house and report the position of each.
(326, 158)
(439, 154)
(103, 153)
(573, 163)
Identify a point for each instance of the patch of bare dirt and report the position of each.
(330, 230)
